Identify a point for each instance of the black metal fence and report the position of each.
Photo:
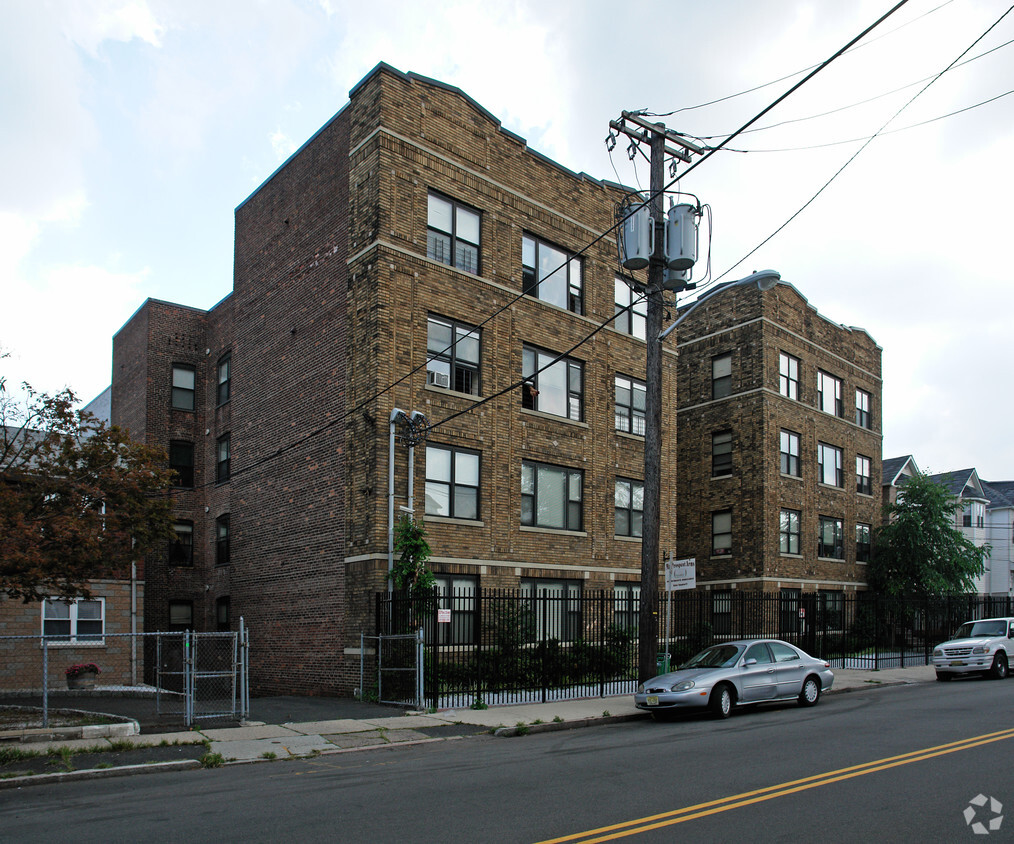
(515, 646)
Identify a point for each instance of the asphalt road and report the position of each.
(898, 764)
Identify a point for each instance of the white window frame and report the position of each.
(788, 376)
(829, 389)
(73, 606)
(631, 310)
(830, 468)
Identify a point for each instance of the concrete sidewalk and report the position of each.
(259, 741)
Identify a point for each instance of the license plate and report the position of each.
(652, 700)
(957, 662)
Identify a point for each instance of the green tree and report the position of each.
(919, 551)
(78, 499)
(410, 573)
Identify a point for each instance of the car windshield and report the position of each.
(974, 629)
(720, 656)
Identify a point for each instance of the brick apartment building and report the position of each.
(778, 470)
(410, 219)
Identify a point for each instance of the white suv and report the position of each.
(979, 647)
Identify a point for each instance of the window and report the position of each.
(721, 612)
(222, 459)
(788, 532)
(181, 461)
(863, 542)
(863, 419)
(555, 607)
(222, 540)
(829, 469)
(457, 593)
(224, 379)
(551, 274)
(181, 549)
(181, 615)
(631, 309)
(551, 496)
(788, 376)
(721, 376)
(452, 234)
(630, 398)
(629, 507)
(452, 482)
(183, 387)
(557, 388)
(627, 605)
(864, 486)
(452, 355)
(782, 652)
(222, 618)
(721, 453)
(721, 533)
(789, 448)
(966, 515)
(829, 394)
(829, 540)
(974, 513)
(75, 621)
(831, 607)
(759, 652)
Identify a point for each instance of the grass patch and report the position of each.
(212, 760)
(522, 728)
(269, 754)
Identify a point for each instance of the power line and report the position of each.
(863, 147)
(794, 73)
(704, 138)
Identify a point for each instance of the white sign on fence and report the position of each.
(443, 616)
(680, 574)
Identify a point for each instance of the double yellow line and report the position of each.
(701, 810)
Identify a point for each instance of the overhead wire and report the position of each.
(705, 138)
(864, 146)
(794, 73)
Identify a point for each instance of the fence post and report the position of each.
(188, 698)
(45, 682)
(545, 641)
(420, 661)
(244, 689)
(602, 641)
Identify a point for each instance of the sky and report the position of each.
(131, 129)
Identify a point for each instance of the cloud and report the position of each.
(89, 23)
(282, 144)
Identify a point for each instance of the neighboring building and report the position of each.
(779, 447)
(896, 471)
(410, 221)
(79, 630)
(970, 514)
(1000, 535)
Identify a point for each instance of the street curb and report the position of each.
(88, 731)
(100, 773)
(555, 726)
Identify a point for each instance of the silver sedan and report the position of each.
(734, 673)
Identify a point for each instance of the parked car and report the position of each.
(979, 647)
(747, 671)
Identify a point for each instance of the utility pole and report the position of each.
(656, 135)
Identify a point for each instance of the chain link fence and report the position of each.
(187, 676)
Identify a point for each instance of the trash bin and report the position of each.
(662, 663)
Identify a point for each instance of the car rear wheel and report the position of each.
(944, 676)
(721, 701)
(810, 693)
(998, 670)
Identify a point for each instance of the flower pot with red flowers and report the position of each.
(82, 676)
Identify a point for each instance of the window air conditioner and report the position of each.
(439, 379)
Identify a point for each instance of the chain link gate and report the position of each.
(399, 661)
(203, 675)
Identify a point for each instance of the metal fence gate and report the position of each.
(397, 666)
(203, 675)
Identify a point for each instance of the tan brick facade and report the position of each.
(756, 328)
(327, 332)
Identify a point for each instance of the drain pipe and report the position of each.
(396, 415)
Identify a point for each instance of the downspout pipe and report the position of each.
(396, 415)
